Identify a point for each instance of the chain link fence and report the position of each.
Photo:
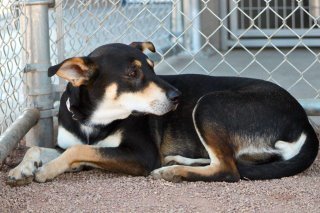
(12, 100)
(275, 40)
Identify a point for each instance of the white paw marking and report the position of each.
(163, 172)
(27, 167)
(41, 175)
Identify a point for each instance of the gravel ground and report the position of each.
(99, 191)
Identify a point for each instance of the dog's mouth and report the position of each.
(138, 113)
(175, 106)
(158, 109)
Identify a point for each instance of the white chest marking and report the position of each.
(87, 129)
(105, 114)
(111, 141)
(66, 139)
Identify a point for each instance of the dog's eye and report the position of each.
(132, 73)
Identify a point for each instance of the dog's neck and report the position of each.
(105, 114)
(90, 133)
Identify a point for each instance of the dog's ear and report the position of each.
(143, 46)
(76, 70)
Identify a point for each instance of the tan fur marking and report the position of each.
(150, 62)
(148, 45)
(143, 46)
(146, 94)
(111, 91)
(149, 94)
(84, 154)
(177, 173)
(206, 171)
(151, 89)
(137, 63)
(218, 143)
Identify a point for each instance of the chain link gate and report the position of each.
(268, 39)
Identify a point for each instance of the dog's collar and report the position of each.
(75, 114)
(68, 105)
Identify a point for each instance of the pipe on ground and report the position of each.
(11, 137)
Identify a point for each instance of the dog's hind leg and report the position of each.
(222, 165)
(34, 158)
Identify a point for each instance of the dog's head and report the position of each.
(118, 80)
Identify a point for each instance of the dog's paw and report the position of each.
(42, 175)
(23, 174)
(169, 173)
(48, 172)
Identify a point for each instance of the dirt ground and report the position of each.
(100, 191)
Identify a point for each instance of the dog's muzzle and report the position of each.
(173, 96)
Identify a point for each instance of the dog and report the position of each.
(117, 114)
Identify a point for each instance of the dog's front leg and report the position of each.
(34, 158)
(111, 159)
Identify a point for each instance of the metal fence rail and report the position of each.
(268, 39)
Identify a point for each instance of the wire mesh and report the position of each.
(84, 25)
(12, 99)
(268, 39)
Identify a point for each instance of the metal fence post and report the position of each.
(38, 86)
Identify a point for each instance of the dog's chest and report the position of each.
(66, 139)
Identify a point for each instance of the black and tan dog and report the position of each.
(117, 114)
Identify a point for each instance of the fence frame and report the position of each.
(38, 86)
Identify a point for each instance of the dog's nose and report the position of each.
(173, 95)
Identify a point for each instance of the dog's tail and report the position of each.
(284, 168)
